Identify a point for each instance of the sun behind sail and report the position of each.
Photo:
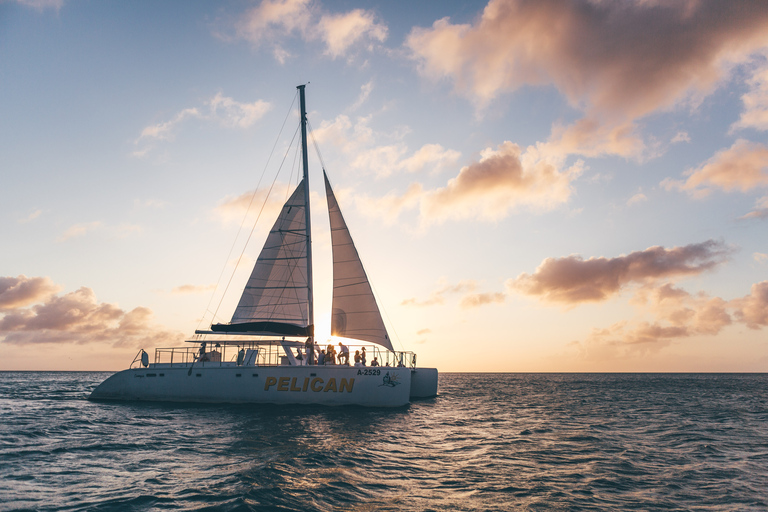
(276, 297)
(355, 313)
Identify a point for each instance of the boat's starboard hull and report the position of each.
(321, 385)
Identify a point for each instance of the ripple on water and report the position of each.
(488, 442)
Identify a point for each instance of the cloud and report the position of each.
(592, 137)
(760, 211)
(465, 288)
(16, 292)
(753, 309)
(760, 257)
(615, 61)
(637, 198)
(82, 229)
(162, 131)
(77, 318)
(755, 114)
(341, 31)
(474, 300)
(274, 21)
(358, 140)
(79, 230)
(681, 136)
(187, 289)
(41, 5)
(677, 314)
(253, 204)
(365, 92)
(220, 109)
(628, 57)
(32, 216)
(437, 297)
(572, 280)
(501, 180)
(742, 167)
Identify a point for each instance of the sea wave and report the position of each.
(487, 442)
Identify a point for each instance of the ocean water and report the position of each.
(487, 442)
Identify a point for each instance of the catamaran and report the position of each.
(267, 352)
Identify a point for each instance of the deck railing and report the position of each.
(260, 354)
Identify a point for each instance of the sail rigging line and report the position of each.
(314, 143)
(253, 228)
(242, 223)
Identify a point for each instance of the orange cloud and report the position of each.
(753, 309)
(253, 204)
(186, 289)
(615, 61)
(500, 181)
(17, 292)
(76, 317)
(678, 314)
(613, 57)
(474, 300)
(572, 279)
(742, 167)
(437, 297)
(274, 20)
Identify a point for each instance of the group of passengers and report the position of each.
(332, 356)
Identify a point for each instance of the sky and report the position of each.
(533, 186)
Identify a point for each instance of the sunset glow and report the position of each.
(533, 186)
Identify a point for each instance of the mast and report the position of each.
(305, 164)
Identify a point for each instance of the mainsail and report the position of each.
(354, 312)
(276, 297)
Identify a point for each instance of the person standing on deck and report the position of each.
(343, 353)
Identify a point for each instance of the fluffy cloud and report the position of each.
(615, 61)
(572, 279)
(753, 309)
(341, 31)
(438, 296)
(502, 179)
(760, 211)
(742, 167)
(17, 292)
(249, 206)
(629, 57)
(358, 140)
(676, 314)
(272, 21)
(75, 317)
(221, 109)
(755, 114)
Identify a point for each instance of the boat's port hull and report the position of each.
(423, 382)
(321, 385)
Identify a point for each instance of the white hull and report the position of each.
(228, 383)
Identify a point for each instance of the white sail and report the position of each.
(354, 312)
(276, 297)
